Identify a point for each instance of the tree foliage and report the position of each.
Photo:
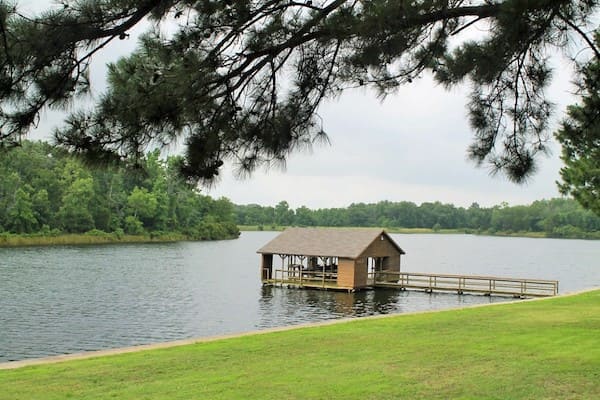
(63, 195)
(555, 218)
(580, 139)
(243, 79)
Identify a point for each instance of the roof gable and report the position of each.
(325, 242)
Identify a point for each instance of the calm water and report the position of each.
(71, 299)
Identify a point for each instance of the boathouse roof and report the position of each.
(326, 242)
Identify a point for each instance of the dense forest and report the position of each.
(552, 218)
(45, 191)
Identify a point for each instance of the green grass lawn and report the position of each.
(547, 349)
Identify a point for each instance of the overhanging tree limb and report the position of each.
(243, 80)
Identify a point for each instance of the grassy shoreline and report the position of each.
(92, 239)
(587, 236)
(532, 349)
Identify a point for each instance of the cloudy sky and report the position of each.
(409, 147)
(412, 147)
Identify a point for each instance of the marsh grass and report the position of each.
(547, 349)
(10, 240)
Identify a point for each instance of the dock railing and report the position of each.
(489, 285)
(297, 276)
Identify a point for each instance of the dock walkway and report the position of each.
(487, 285)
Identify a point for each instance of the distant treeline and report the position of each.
(552, 218)
(44, 191)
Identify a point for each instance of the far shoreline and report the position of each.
(418, 231)
(8, 240)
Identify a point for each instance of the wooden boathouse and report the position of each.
(353, 259)
(330, 258)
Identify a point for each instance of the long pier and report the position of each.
(487, 285)
(428, 282)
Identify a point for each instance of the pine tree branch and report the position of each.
(581, 33)
(143, 10)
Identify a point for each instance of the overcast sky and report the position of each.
(410, 147)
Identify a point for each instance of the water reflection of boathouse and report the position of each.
(330, 258)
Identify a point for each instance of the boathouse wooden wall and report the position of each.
(360, 272)
(352, 273)
(345, 276)
(384, 248)
(387, 257)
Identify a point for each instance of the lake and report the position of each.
(58, 300)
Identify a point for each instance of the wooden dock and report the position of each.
(460, 284)
(487, 285)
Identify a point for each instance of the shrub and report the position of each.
(96, 232)
(119, 233)
(133, 226)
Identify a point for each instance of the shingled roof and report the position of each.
(325, 242)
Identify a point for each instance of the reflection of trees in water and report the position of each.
(386, 300)
(281, 306)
